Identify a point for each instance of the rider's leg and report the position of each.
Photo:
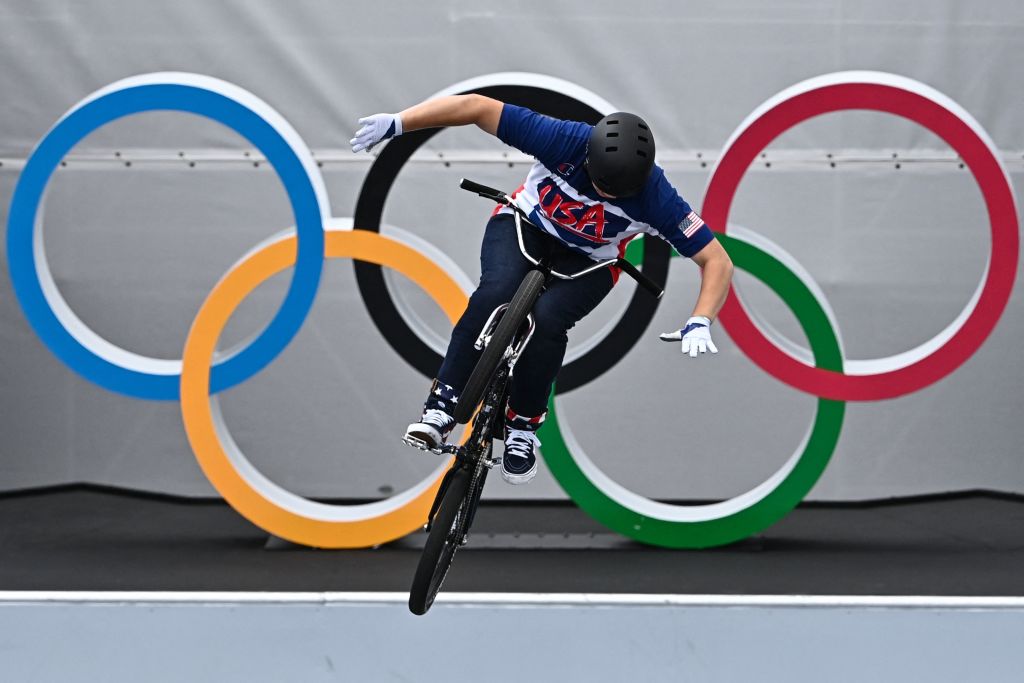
(502, 268)
(557, 310)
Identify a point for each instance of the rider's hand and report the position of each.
(695, 335)
(375, 128)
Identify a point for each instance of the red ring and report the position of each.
(995, 188)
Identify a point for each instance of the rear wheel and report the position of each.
(447, 528)
(505, 331)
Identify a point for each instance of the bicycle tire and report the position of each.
(520, 306)
(446, 531)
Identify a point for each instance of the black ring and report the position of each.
(377, 299)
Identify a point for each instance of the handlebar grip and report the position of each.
(482, 190)
(641, 279)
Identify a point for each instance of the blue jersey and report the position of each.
(559, 197)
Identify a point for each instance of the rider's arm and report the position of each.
(549, 140)
(676, 222)
(716, 275)
(454, 110)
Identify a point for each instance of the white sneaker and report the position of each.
(519, 463)
(431, 432)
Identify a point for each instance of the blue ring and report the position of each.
(196, 100)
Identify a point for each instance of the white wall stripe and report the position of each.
(539, 599)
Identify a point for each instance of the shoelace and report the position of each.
(520, 443)
(437, 418)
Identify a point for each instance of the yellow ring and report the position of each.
(255, 497)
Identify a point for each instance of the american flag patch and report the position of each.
(691, 224)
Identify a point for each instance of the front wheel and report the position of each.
(447, 528)
(511, 321)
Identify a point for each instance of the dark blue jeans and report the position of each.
(560, 306)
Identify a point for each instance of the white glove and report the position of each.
(696, 336)
(375, 128)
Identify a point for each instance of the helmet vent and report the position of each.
(612, 135)
(643, 125)
(641, 138)
(611, 149)
(612, 123)
(641, 153)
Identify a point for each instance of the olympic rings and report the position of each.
(546, 95)
(62, 331)
(699, 526)
(304, 521)
(255, 497)
(912, 370)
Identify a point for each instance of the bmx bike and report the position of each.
(502, 340)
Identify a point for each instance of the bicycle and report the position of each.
(502, 340)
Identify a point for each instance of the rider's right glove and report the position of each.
(375, 128)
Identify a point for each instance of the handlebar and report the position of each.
(484, 191)
(502, 198)
(641, 279)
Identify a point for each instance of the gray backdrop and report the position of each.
(135, 250)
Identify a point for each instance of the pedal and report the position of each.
(415, 442)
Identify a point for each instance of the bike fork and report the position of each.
(517, 347)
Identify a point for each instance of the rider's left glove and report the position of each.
(375, 128)
(695, 335)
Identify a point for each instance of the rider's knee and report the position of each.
(550, 320)
(495, 291)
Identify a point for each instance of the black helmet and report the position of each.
(620, 154)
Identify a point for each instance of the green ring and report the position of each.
(701, 526)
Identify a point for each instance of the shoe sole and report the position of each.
(517, 479)
(418, 438)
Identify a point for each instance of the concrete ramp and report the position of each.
(170, 636)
